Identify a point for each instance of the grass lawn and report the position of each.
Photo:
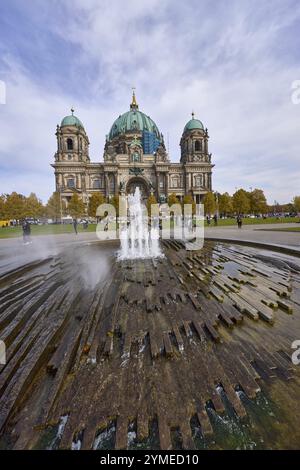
(248, 221)
(12, 232)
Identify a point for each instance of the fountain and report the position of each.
(137, 241)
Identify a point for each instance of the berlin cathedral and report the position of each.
(134, 155)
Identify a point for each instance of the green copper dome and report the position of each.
(133, 120)
(193, 124)
(71, 121)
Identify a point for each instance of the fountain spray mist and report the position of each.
(137, 241)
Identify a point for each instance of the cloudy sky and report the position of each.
(232, 62)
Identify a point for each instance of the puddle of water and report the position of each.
(51, 437)
(150, 443)
(106, 439)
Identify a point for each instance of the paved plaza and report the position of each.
(260, 234)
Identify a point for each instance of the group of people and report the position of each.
(239, 220)
(215, 219)
(26, 228)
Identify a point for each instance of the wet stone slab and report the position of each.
(192, 350)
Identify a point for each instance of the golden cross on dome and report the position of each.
(133, 103)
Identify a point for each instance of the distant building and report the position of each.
(134, 155)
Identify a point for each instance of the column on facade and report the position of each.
(83, 181)
(167, 183)
(117, 182)
(205, 146)
(60, 180)
(106, 185)
(87, 182)
(78, 179)
(187, 183)
(157, 184)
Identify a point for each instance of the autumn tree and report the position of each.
(33, 206)
(258, 202)
(240, 202)
(209, 203)
(54, 206)
(173, 199)
(76, 207)
(2, 207)
(15, 206)
(115, 202)
(151, 200)
(296, 204)
(225, 204)
(95, 200)
(188, 199)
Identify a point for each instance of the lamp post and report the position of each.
(217, 203)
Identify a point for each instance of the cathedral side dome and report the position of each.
(71, 121)
(134, 121)
(193, 124)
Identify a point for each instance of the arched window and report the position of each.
(136, 157)
(198, 145)
(198, 181)
(80, 143)
(175, 182)
(134, 125)
(96, 184)
(70, 144)
(71, 183)
(161, 181)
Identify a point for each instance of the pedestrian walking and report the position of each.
(239, 221)
(26, 232)
(75, 223)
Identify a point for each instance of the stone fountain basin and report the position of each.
(148, 352)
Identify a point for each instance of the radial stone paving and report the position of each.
(103, 353)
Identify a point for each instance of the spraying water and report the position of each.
(137, 241)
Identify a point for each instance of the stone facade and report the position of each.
(128, 162)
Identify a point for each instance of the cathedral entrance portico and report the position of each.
(140, 183)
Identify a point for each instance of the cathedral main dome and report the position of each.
(134, 121)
